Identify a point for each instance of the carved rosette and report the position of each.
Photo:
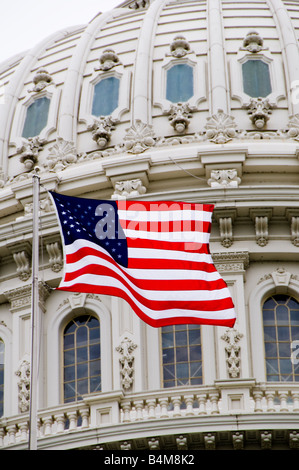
(61, 155)
(139, 137)
(127, 362)
(220, 128)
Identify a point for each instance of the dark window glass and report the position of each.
(280, 313)
(256, 78)
(82, 358)
(181, 355)
(36, 117)
(105, 98)
(179, 86)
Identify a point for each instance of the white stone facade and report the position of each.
(221, 148)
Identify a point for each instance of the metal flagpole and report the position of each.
(34, 321)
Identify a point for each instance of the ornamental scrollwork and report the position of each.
(232, 337)
(127, 361)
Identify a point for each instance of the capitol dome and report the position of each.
(155, 100)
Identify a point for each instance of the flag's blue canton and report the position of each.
(78, 218)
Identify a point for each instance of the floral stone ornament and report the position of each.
(220, 128)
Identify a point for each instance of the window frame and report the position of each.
(70, 320)
(37, 98)
(160, 81)
(53, 94)
(277, 342)
(267, 286)
(90, 80)
(69, 308)
(275, 71)
(189, 362)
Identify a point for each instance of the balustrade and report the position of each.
(200, 402)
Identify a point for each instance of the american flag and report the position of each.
(155, 255)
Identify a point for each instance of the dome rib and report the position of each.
(289, 47)
(14, 90)
(218, 90)
(71, 95)
(142, 81)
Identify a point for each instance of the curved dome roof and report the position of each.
(148, 75)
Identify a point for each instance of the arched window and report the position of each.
(82, 358)
(105, 98)
(181, 355)
(281, 330)
(256, 78)
(36, 117)
(179, 86)
(1, 377)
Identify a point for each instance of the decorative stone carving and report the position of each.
(238, 440)
(232, 337)
(61, 155)
(127, 359)
(139, 137)
(20, 298)
(101, 130)
(139, 4)
(126, 445)
(210, 441)
(261, 230)
(129, 188)
(226, 231)
(22, 261)
(259, 110)
(295, 230)
(253, 42)
(224, 179)
(236, 261)
(2, 179)
(108, 60)
(55, 256)
(153, 443)
(281, 279)
(41, 80)
(44, 207)
(294, 439)
(220, 128)
(29, 152)
(23, 373)
(180, 115)
(293, 127)
(182, 443)
(179, 47)
(266, 440)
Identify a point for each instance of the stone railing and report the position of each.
(225, 399)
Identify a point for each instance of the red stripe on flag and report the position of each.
(115, 291)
